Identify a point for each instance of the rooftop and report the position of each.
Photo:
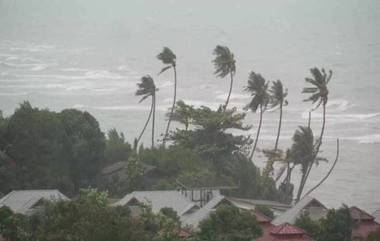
(22, 201)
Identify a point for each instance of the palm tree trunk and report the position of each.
(173, 105)
(328, 173)
(146, 124)
(306, 176)
(154, 118)
(258, 132)
(279, 129)
(230, 91)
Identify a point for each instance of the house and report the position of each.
(265, 224)
(284, 231)
(158, 200)
(376, 215)
(26, 201)
(192, 205)
(364, 223)
(308, 205)
(287, 232)
(193, 220)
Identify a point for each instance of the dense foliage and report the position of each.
(336, 226)
(229, 223)
(45, 149)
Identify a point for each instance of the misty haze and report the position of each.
(189, 120)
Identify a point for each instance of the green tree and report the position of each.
(374, 236)
(337, 226)
(312, 227)
(45, 149)
(87, 217)
(117, 149)
(36, 142)
(210, 137)
(258, 88)
(85, 143)
(168, 58)
(182, 113)
(147, 88)
(229, 223)
(225, 64)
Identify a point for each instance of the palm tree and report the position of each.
(147, 88)
(319, 93)
(278, 95)
(304, 152)
(258, 87)
(168, 58)
(319, 96)
(224, 63)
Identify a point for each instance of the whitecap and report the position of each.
(366, 139)
(39, 67)
(233, 96)
(102, 74)
(78, 106)
(339, 104)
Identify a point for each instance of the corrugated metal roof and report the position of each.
(159, 199)
(293, 213)
(195, 218)
(22, 201)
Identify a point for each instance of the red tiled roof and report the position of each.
(359, 214)
(261, 218)
(287, 229)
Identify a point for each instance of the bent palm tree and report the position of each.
(304, 152)
(278, 95)
(258, 87)
(319, 96)
(147, 88)
(168, 58)
(224, 63)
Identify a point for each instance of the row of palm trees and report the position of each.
(264, 93)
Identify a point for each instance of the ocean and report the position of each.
(90, 55)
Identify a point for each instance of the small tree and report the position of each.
(229, 223)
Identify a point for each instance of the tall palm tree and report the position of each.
(278, 98)
(319, 93)
(147, 88)
(224, 63)
(168, 58)
(319, 96)
(258, 87)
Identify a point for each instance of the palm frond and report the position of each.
(224, 61)
(167, 56)
(319, 89)
(164, 69)
(258, 87)
(277, 93)
(146, 87)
